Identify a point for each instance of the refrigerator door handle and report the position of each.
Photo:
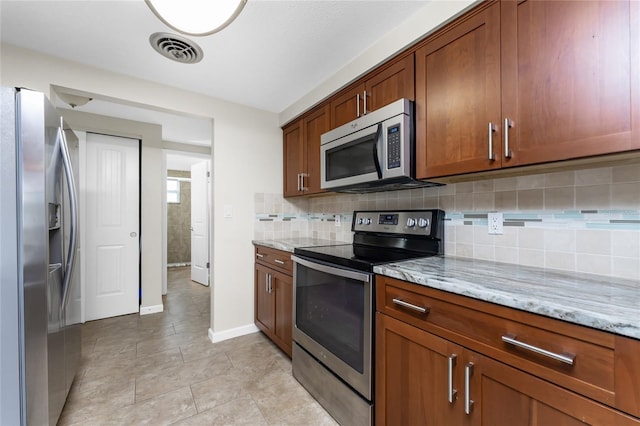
(73, 203)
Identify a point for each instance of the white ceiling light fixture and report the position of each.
(196, 17)
(73, 100)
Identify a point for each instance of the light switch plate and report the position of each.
(495, 220)
(228, 210)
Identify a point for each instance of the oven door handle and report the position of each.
(346, 273)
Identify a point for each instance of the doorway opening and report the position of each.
(188, 189)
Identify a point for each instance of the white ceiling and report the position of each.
(274, 53)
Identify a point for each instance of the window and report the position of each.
(173, 191)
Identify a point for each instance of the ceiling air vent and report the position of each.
(176, 47)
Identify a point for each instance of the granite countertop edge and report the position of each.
(599, 302)
(289, 244)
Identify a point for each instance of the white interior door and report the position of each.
(112, 226)
(200, 222)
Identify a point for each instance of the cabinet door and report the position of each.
(412, 377)
(264, 300)
(294, 158)
(315, 124)
(458, 96)
(570, 78)
(283, 287)
(393, 83)
(505, 396)
(347, 106)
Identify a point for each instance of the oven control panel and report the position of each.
(413, 222)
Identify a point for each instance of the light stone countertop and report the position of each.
(604, 303)
(292, 243)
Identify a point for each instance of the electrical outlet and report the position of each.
(495, 220)
(337, 220)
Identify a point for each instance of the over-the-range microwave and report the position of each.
(375, 152)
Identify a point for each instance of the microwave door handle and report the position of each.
(376, 158)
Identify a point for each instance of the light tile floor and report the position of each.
(161, 369)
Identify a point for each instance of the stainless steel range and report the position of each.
(334, 289)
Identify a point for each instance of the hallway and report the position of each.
(162, 369)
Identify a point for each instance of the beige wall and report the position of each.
(416, 27)
(151, 136)
(247, 158)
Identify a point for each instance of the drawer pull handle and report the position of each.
(411, 306)
(278, 261)
(259, 255)
(452, 392)
(566, 358)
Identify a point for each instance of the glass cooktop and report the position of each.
(355, 256)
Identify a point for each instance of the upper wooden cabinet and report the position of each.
(392, 82)
(301, 144)
(458, 95)
(294, 157)
(516, 83)
(570, 78)
(347, 105)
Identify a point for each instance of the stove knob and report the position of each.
(367, 221)
(411, 222)
(423, 223)
(360, 221)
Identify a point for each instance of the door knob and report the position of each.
(133, 235)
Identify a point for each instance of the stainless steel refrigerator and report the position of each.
(39, 299)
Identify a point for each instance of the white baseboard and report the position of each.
(230, 334)
(146, 310)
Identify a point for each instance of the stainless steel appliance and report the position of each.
(334, 308)
(39, 306)
(375, 152)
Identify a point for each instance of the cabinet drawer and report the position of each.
(500, 332)
(277, 259)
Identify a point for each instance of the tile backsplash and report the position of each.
(585, 220)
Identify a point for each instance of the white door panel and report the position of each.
(200, 222)
(112, 222)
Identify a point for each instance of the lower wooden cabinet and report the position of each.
(274, 301)
(422, 379)
(412, 380)
(445, 363)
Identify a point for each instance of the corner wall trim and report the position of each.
(146, 310)
(231, 333)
